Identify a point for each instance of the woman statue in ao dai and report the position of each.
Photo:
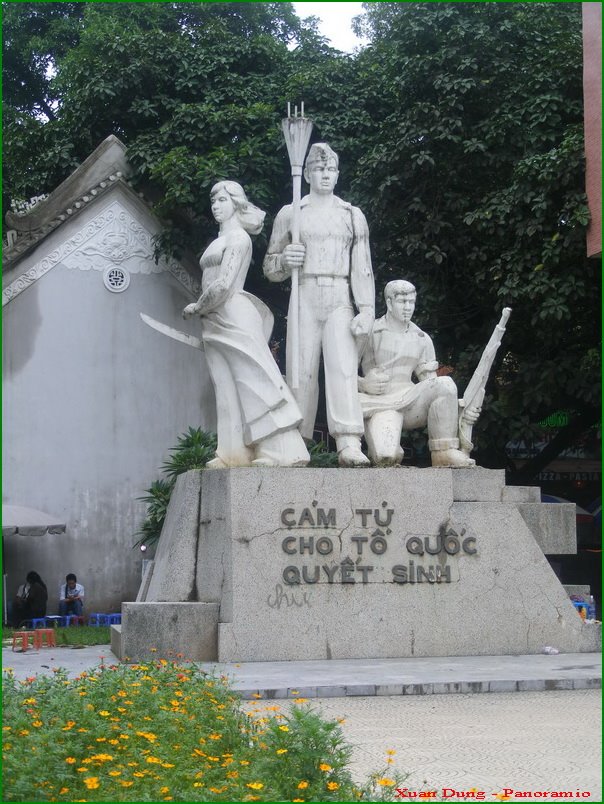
(257, 417)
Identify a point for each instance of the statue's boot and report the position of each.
(452, 458)
(349, 451)
(446, 452)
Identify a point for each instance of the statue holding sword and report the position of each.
(322, 243)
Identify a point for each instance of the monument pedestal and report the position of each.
(367, 563)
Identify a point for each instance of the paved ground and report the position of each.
(525, 741)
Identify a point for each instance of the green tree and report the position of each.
(473, 182)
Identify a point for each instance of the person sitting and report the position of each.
(71, 596)
(31, 599)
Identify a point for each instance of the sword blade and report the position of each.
(183, 337)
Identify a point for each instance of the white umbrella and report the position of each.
(29, 521)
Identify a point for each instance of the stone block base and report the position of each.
(188, 630)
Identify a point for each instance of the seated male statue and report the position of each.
(391, 401)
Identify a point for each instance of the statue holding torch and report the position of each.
(322, 243)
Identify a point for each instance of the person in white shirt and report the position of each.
(71, 596)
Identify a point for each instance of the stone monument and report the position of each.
(260, 562)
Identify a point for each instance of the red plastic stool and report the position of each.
(44, 636)
(24, 637)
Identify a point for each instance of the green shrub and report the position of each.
(193, 450)
(166, 731)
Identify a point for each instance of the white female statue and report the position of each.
(257, 417)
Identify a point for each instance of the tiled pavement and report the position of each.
(528, 741)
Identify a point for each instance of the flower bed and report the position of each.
(166, 731)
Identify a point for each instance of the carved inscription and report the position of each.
(371, 536)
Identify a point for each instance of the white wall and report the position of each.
(93, 400)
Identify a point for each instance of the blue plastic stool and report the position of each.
(38, 622)
(97, 618)
(115, 619)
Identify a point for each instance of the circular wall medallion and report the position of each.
(116, 279)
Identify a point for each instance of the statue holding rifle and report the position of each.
(398, 350)
(322, 242)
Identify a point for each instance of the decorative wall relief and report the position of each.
(113, 238)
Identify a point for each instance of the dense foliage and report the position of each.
(192, 451)
(459, 130)
(167, 731)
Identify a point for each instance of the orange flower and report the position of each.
(71, 760)
(332, 785)
(302, 785)
(325, 767)
(385, 782)
(92, 782)
(255, 785)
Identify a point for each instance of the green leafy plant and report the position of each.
(166, 731)
(193, 450)
(320, 456)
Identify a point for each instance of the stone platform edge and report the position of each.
(435, 688)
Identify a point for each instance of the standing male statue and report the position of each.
(390, 399)
(335, 269)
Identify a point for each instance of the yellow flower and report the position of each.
(298, 799)
(148, 735)
(126, 784)
(29, 701)
(332, 785)
(197, 784)
(244, 762)
(255, 785)
(215, 736)
(167, 765)
(302, 785)
(69, 725)
(36, 723)
(281, 750)
(115, 773)
(300, 700)
(101, 757)
(104, 713)
(385, 782)
(70, 760)
(153, 760)
(325, 767)
(256, 695)
(92, 782)
(284, 728)
(63, 790)
(138, 774)
(164, 790)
